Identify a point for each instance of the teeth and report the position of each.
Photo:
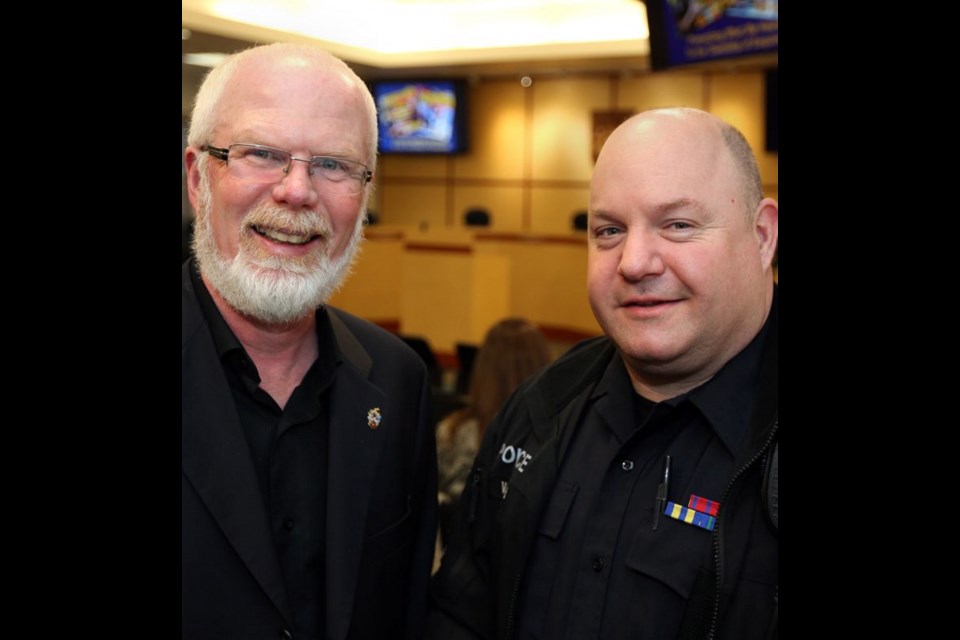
(284, 237)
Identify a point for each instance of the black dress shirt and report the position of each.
(289, 448)
(597, 568)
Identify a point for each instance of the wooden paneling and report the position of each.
(413, 203)
(503, 202)
(547, 280)
(680, 89)
(739, 99)
(412, 166)
(497, 128)
(451, 297)
(374, 289)
(552, 209)
(563, 126)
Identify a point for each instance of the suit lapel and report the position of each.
(355, 450)
(216, 460)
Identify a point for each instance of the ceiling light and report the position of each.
(414, 32)
(204, 59)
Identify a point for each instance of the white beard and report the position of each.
(273, 289)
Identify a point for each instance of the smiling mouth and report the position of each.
(649, 304)
(286, 238)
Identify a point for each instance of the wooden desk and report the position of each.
(451, 285)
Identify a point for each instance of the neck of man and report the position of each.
(657, 389)
(282, 353)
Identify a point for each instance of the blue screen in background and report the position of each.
(691, 31)
(418, 117)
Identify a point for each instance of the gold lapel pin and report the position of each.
(374, 417)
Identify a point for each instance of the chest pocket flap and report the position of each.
(673, 554)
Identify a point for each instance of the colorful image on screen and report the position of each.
(418, 117)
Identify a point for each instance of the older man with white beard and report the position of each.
(308, 462)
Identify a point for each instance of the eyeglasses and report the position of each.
(267, 164)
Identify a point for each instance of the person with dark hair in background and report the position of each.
(512, 351)
(308, 499)
(631, 489)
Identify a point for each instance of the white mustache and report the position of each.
(301, 223)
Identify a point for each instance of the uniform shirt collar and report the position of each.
(725, 401)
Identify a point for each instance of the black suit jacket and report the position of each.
(381, 503)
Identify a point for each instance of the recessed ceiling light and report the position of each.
(204, 59)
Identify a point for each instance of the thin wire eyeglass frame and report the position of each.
(362, 177)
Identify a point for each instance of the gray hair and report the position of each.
(746, 164)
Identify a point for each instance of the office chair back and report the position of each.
(580, 221)
(477, 218)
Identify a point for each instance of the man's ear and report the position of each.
(191, 160)
(766, 229)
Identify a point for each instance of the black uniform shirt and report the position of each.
(597, 568)
(289, 451)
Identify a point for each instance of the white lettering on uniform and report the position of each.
(522, 463)
(515, 456)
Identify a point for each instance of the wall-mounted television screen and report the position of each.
(421, 116)
(690, 31)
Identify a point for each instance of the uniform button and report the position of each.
(288, 524)
(627, 465)
(285, 634)
(598, 564)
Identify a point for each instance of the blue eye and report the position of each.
(328, 164)
(606, 232)
(265, 157)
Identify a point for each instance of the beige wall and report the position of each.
(531, 155)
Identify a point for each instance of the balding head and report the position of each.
(222, 85)
(695, 127)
